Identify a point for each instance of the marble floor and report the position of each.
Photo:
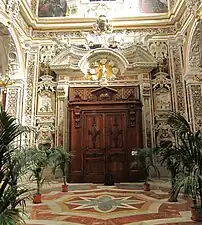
(123, 204)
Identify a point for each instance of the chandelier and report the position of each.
(5, 80)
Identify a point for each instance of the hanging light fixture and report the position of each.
(5, 81)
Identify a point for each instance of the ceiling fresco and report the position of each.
(94, 8)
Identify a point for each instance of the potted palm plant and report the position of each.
(39, 161)
(166, 156)
(147, 165)
(12, 195)
(189, 153)
(61, 160)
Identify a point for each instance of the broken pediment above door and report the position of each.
(104, 94)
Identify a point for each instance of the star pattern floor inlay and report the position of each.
(100, 205)
(105, 203)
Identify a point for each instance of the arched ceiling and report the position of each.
(9, 59)
(4, 46)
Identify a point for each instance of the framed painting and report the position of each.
(52, 8)
(153, 6)
(46, 102)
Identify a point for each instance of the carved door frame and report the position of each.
(105, 100)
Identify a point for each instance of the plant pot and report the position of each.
(65, 188)
(109, 180)
(37, 198)
(172, 198)
(146, 187)
(196, 212)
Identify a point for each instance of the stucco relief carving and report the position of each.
(46, 95)
(193, 5)
(196, 100)
(13, 59)
(162, 103)
(159, 50)
(45, 130)
(47, 53)
(139, 36)
(195, 55)
(148, 121)
(12, 101)
(98, 56)
(164, 133)
(103, 35)
(13, 8)
(103, 70)
(172, 4)
(177, 70)
(29, 89)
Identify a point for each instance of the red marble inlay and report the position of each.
(65, 202)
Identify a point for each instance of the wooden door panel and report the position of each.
(115, 133)
(93, 127)
(94, 157)
(115, 124)
(94, 170)
(116, 166)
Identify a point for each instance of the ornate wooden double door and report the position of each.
(103, 133)
(104, 142)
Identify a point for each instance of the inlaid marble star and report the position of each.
(105, 203)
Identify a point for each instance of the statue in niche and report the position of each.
(103, 70)
(103, 73)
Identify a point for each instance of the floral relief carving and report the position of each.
(12, 101)
(147, 113)
(197, 100)
(34, 6)
(180, 98)
(193, 5)
(195, 55)
(29, 89)
(13, 9)
(13, 58)
(159, 50)
(45, 130)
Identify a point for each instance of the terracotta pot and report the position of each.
(146, 187)
(172, 198)
(196, 212)
(37, 198)
(64, 188)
